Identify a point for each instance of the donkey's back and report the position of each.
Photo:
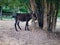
(23, 17)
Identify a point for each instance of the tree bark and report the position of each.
(45, 16)
(55, 16)
(52, 17)
(33, 7)
(40, 12)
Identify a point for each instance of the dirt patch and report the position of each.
(8, 35)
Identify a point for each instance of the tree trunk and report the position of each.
(40, 12)
(45, 16)
(33, 7)
(55, 16)
(50, 17)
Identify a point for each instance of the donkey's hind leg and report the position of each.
(18, 25)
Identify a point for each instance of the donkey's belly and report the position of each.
(22, 19)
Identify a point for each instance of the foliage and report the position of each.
(15, 5)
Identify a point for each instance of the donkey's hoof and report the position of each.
(17, 30)
(27, 30)
(20, 28)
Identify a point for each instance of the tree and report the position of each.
(15, 5)
(33, 8)
(47, 9)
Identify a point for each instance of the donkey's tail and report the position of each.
(13, 16)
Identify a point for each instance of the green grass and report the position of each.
(7, 18)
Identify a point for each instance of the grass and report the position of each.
(7, 18)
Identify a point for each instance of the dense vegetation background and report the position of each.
(20, 6)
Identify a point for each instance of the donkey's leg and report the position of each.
(18, 25)
(26, 26)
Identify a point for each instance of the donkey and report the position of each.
(22, 17)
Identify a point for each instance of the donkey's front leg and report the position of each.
(15, 25)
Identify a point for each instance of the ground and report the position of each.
(37, 36)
